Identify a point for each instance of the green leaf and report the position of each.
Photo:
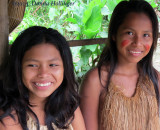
(78, 19)
(103, 2)
(111, 5)
(80, 64)
(91, 47)
(85, 54)
(88, 12)
(105, 10)
(72, 20)
(153, 4)
(90, 33)
(93, 24)
(75, 51)
(78, 35)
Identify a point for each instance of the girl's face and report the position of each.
(42, 70)
(134, 38)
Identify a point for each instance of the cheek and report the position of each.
(27, 75)
(58, 74)
(61, 76)
(124, 43)
(147, 47)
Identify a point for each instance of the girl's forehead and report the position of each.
(42, 51)
(133, 15)
(42, 45)
(137, 21)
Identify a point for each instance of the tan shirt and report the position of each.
(31, 123)
(139, 112)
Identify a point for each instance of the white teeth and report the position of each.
(42, 85)
(136, 52)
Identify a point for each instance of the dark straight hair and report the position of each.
(62, 103)
(109, 54)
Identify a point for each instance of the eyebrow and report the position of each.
(134, 30)
(34, 60)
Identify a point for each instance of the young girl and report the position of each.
(40, 84)
(122, 92)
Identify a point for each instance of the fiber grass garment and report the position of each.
(31, 124)
(139, 112)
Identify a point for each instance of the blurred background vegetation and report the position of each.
(76, 20)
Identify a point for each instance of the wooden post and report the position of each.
(4, 31)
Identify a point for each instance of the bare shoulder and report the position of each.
(93, 73)
(90, 93)
(10, 124)
(78, 121)
(95, 80)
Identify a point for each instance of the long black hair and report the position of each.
(62, 103)
(109, 54)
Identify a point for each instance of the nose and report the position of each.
(137, 40)
(43, 71)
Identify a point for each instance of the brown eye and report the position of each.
(129, 33)
(146, 35)
(52, 65)
(32, 65)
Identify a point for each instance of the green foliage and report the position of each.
(153, 3)
(93, 24)
(158, 5)
(85, 58)
(75, 19)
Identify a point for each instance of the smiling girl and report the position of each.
(40, 84)
(122, 92)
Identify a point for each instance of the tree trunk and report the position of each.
(4, 31)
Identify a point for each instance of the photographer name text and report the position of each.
(34, 3)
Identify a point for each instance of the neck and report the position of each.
(38, 109)
(126, 69)
(38, 103)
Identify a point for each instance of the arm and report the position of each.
(90, 93)
(78, 122)
(10, 124)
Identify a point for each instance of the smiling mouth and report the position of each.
(135, 52)
(43, 84)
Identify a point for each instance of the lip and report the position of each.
(135, 52)
(42, 85)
